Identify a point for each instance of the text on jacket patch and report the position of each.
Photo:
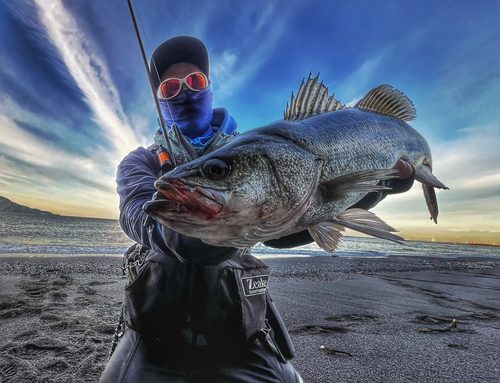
(255, 285)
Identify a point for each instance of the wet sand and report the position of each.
(57, 317)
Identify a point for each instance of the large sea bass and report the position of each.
(300, 173)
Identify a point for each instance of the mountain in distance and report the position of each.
(6, 205)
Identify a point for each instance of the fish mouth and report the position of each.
(175, 197)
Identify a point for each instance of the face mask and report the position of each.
(191, 111)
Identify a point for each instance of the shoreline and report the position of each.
(260, 255)
(58, 316)
(56, 255)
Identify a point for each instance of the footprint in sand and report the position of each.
(352, 318)
(28, 334)
(58, 296)
(315, 329)
(7, 372)
(35, 349)
(56, 366)
(11, 307)
(100, 283)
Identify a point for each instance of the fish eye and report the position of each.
(215, 170)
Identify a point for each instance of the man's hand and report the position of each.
(159, 199)
(166, 205)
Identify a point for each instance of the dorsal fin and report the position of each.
(384, 99)
(312, 99)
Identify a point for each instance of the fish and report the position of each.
(300, 173)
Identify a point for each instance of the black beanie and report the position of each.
(178, 49)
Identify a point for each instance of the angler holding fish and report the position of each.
(197, 305)
(192, 311)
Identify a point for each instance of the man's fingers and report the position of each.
(163, 205)
(169, 205)
(405, 169)
(404, 182)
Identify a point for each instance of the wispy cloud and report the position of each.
(90, 72)
(37, 166)
(264, 17)
(44, 173)
(356, 85)
(473, 160)
(232, 69)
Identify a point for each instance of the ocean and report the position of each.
(33, 235)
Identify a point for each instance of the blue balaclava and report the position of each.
(192, 112)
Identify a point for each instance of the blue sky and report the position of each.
(74, 97)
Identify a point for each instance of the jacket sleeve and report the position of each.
(135, 179)
(293, 240)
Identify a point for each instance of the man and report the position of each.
(193, 312)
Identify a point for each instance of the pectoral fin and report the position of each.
(342, 186)
(327, 235)
(368, 223)
(425, 176)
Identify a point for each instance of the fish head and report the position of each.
(244, 193)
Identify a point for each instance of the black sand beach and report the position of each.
(57, 317)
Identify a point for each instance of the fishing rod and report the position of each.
(155, 96)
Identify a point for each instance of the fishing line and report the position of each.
(152, 58)
(155, 91)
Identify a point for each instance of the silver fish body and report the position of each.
(289, 176)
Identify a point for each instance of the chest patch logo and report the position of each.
(255, 285)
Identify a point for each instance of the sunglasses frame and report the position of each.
(182, 81)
